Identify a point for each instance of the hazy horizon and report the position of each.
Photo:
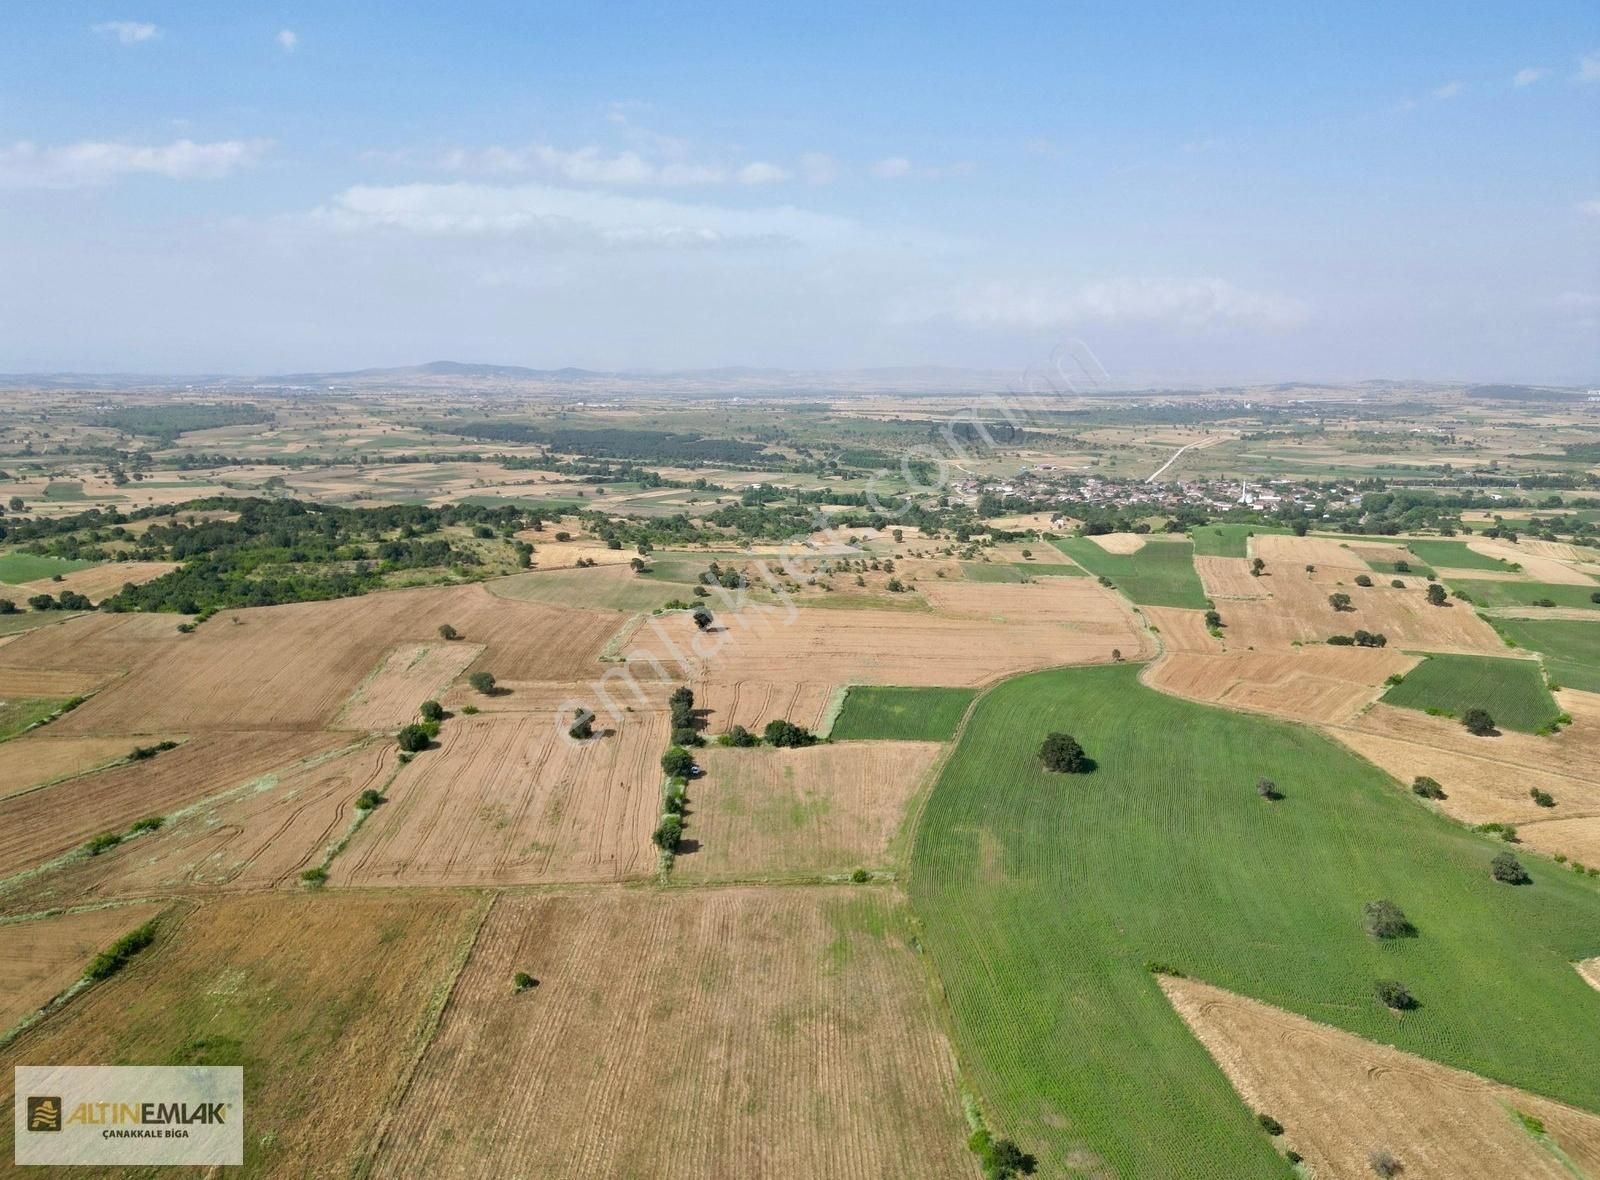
(1240, 194)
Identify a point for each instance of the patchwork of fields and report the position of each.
(862, 948)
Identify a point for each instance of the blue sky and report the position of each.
(1204, 193)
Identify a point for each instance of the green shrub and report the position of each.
(738, 736)
(788, 734)
(1428, 788)
(369, 799)
(111, 960)
(677, 762)
(1384, 919)
(861, 876)
(482, 682)
(104, 842)
(1478, 722)
(413, 738)
(432, 711)
(315, 877)
(668, 832)
(522, 981)
(1394, 995)
(1269, 1124)
(149, 823)
(1507, 869)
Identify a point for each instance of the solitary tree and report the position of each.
(702, 617)
(1394, 994)
(582, 728)
(432, 711)
(446, 631)
(1384, 919)
(413, 738)
(1428, 788)
(1478, 722)
(1213, 618)
(482, 682)
(1256, 566)
(1508, 869)
(1436, 594)
(1268, 789)
(1363, 580)
(1339, 601)
(1062, 754)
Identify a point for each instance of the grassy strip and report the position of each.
(1494, 594)
(115, 957)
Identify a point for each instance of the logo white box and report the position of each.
(129, 1114)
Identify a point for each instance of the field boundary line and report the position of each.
(432, 1021)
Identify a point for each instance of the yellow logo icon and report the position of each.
(44, 1114)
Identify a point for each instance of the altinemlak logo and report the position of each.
(44, 1114)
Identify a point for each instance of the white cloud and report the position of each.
(1190, 304)
(1589, 208)
(129, 32)
(1448, 90)
(892, 168)
(818, 168)
(1588, 68)
(761, 172)
(1529, 75)
(287, 40)
(560, 217)
(27, 165)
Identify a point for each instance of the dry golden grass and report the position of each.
(1229, 577)
(1120, 542)
(833, 808)
(102, 581)
(708, 1034)
(325, 998)
(1328, 684)
(408, 675)
(1340, 1097)
(1537, 559)
(40, 758)
(1283, 552)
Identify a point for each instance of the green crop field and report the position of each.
(1227, 540)
(1454, 555)
(18, 715)
(872, 713)
(27, 567)
(1528, 593)
(1160, 574)
(1571, 647)
(1512, 690)
(1046, 569)
(591, 589)
(1043, 897)
(1414, 569)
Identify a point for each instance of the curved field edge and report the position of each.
(1043, 898)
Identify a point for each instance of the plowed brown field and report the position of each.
(1311, 684)
(42, 957)
(1229, 577)
(712, 1034)
(41, 825)
(822, 809)
(508, 799)
(1340, 1097)
(102, 581)
(324, 999)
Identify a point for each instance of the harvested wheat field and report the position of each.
(38, 826)
(819, 809)
(753, 703)
(259, 835)
(323, 1000)
(42, 957)
(1540, 565)
(295, 666)
(1576, 838)
(36, 759)
(1571, 753)
(1284, 551)
(1119, 542)
(102, 581)
(1329, 684)
(1078, 604)
(409, 674)
(708, 1034)
(1229, 577)
(1480, 787)
(510, 799)
(879, 647)
(1340, 1098)
(82, 654)
(1182, 630)
(1299, 611)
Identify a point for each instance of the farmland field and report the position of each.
(1227, 540)
(16, 568)
(901, 714)
(321, 1000)
(724, 1032)
(43, 956)
(1044, 896)
(1518, 594)
(1570, 647)
(1513, 691)
(1159, 573)
(1454, 555)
